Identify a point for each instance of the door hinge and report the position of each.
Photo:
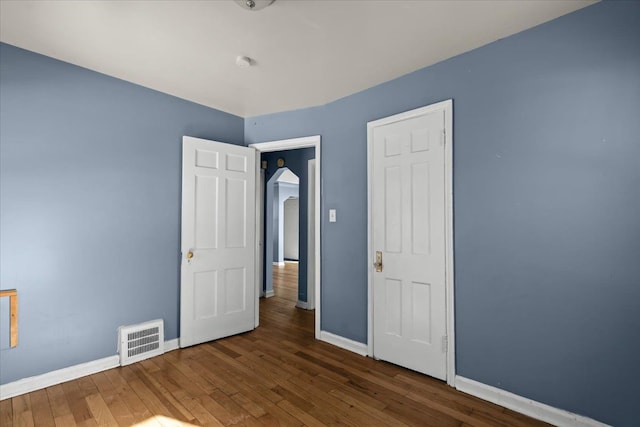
(445, 344)
(444, 137)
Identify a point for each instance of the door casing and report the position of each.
(311, 245)
(447, 108)
(292, 144)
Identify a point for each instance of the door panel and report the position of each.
(235, 290)
(393, 209)
(218, 230)
(206, 222)
(420, 236)
(408, 226)
(420, 297)
(205, 284)
(236, 213)
(393, 305)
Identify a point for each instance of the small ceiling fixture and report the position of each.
(243, 61)
(253, 5)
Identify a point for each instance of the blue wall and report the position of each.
(547, 207)
(297, 161)
(90, 206)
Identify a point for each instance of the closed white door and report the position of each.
(217, 289)
(408, 242)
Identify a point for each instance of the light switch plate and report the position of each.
(332, 215)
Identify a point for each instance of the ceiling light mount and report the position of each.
(244, 61)
(253, 5)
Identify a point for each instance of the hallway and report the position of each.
(285, 281)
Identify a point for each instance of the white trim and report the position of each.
(345, 343)
(447, 107)
(292, 144)
(171, 345)
(311, 281)
(269, 293)
(48, 379)
(302, 304)
(525, 406)
(449, 253)
(279, 264)
(369, 243)
(27, 385)
(259, 239)
(287, 144)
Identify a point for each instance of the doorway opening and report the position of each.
(281, 231)
(298, 282)
(286, 219)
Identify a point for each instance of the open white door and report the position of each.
(217, 289)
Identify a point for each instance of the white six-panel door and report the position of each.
(408, 229)
(218, 241)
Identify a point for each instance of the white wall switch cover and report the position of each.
(332, 215)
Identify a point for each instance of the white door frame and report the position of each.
(447, 107)
(311, 246)
(292, 144)
(260, 235)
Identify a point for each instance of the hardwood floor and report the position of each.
(275, 375)
(285, 281)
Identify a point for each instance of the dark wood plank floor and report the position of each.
(275, 375)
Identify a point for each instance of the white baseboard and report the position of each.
(302, 304)
(342, 342)
(27, 385)
(540, 411)
(171, 345)
(279, 264)
(269, 293)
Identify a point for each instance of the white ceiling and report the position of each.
(306, 52)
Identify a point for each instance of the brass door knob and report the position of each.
(189, 254)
